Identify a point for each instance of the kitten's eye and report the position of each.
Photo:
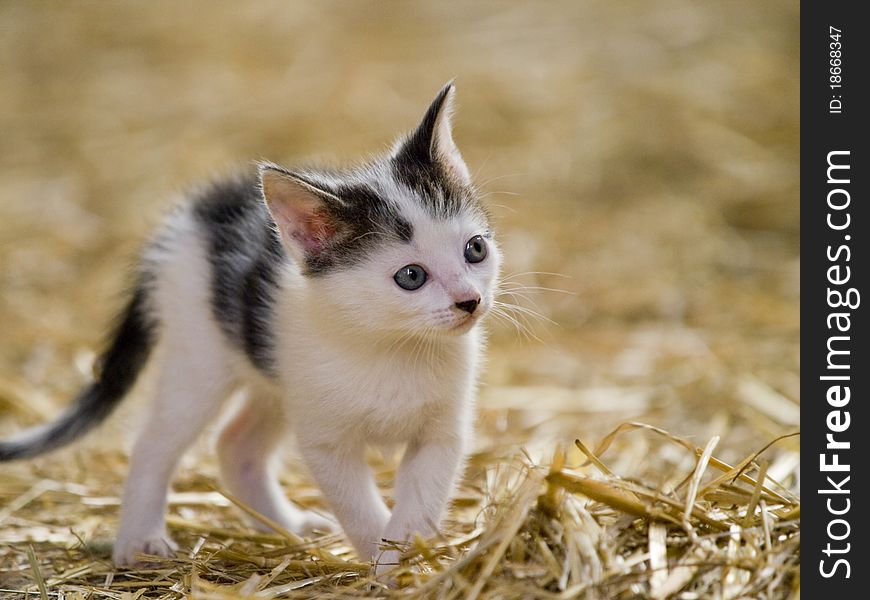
(410, 277)
(475, 249)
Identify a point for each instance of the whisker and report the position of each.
(495, 192)
(505, 318)
(488, 181)
(520, 295)
(482, 165)
(504, 206)
(538, 288)
(526, 311)
(382, 232)
(521, 328)
(525, 318)
(515, 275)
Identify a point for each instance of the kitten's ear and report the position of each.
(432, 141)
(301, 211)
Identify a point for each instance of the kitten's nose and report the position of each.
(468, 306)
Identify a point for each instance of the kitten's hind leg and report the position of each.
(190, 390)
(247, 449)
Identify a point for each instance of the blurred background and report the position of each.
(641, 158)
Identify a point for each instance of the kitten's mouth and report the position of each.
(466, 323)
(461, 322)
(463, 326)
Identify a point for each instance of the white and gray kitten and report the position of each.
(346, 305)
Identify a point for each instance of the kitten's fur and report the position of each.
(293, 300)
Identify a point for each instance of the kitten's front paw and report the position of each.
(386, 562)
(128, 548)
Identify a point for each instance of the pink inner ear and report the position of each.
(314, 235)
(299, 211)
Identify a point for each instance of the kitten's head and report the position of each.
(401, 244)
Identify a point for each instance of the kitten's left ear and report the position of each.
(303, 212)
(432, 140)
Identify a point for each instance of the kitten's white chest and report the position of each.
(380, 398)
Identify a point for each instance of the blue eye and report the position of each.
(410, 277)
(475, 249)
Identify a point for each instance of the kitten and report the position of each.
(346, 304)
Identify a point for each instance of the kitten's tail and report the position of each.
(121, 363)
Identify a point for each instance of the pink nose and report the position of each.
(468, 306)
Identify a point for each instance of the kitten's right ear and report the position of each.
(431, 143)
(300, 210)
